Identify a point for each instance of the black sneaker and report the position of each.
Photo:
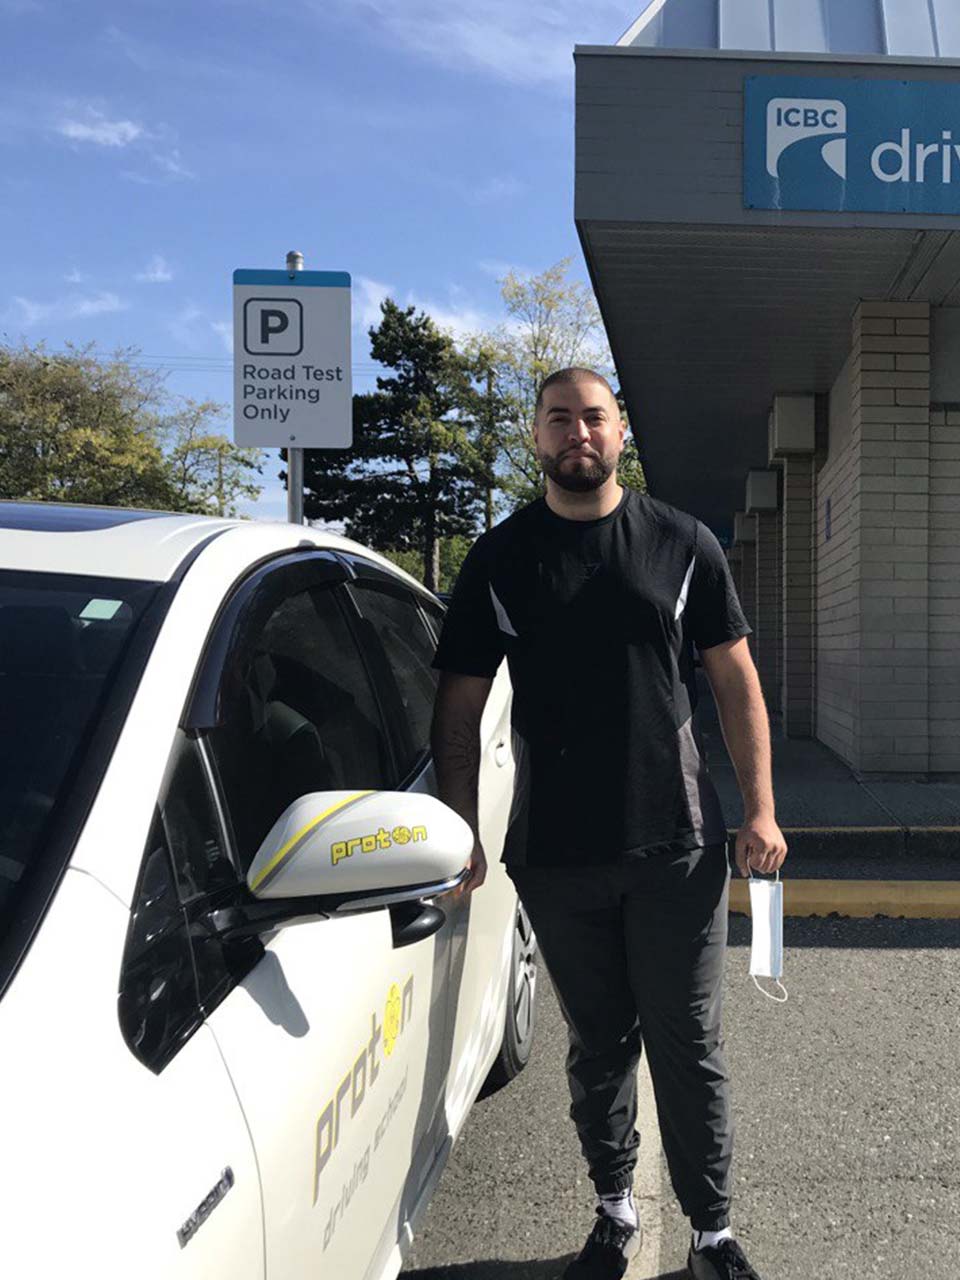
(723, 1261)
(609, 1248)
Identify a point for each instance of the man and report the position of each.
(596, 595)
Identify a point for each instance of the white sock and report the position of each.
(622, 1207)
(707, 1239)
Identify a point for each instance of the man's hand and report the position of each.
(478, 868)
(455, 738)
(760, 845)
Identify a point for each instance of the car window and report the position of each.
(175, 968)
(434, 612)
(201, 864)
(157, 1001)
(298, 714)
(396, 626)
(65, 644)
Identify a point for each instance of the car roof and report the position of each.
(53, 537)
(146, 546)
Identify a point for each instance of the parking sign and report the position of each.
(291, 359)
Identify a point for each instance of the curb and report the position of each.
(914, 899)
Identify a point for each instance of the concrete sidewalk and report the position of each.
(837, 825)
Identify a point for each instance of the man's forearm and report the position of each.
(456, 753)
(746, 731)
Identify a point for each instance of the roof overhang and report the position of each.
(713, 308)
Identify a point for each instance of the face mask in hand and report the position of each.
(766, 948)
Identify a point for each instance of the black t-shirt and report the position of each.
(597, 620)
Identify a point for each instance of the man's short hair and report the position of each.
(567, 376)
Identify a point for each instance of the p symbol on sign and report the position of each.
(272, 327)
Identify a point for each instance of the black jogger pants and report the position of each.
(635, 950)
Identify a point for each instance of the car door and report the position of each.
(330, 1037)
(125, 1151)
(398, 627)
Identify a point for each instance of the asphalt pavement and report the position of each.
(847, 1105)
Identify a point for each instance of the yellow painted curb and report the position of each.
(918, 899)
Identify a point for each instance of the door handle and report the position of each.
(501, 752)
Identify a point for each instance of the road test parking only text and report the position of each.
(258, 398)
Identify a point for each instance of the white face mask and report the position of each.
(766, 948)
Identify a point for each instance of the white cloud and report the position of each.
(224, 331)
(167, 167)
(165, 61)
(367, 297)
(170, 164)
(461, 320)
(154, 150)
(157, 271)
(523, 43)
(193, 328)
(96, 128)
(496, 190)
(497, 269)
(27, 312)
(75, 277)
(458, 315)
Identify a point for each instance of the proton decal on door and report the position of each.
(358, 1082)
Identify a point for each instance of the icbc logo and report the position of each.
(793, 120)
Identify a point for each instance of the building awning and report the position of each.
(714, 307)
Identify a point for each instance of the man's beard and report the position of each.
(584, 479)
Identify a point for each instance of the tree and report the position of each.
(77, 427)
(553, 323)
(486, 417)
(408, 482)
(453, 552)
(208, 473)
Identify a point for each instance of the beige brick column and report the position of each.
(944, 600)
(798, 580)
(762, 503)
(769, 617)
(891, 502)
(791, 446)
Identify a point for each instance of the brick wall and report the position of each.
(747, 590)
(891, 431)
(796, 677)
(944, 598)
(837, 570)
(888, 578)
(769, 620)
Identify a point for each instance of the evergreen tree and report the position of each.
(409, 481)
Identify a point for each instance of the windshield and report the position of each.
(62, 644)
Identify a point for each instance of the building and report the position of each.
(768, 198)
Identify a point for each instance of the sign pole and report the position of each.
(294, 456)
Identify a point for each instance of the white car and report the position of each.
(246, 1006)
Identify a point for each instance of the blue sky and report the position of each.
(148, 148)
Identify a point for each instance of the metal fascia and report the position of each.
(746, 55)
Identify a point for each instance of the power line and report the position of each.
(211, 364)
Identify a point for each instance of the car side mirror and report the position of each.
(353, 846)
